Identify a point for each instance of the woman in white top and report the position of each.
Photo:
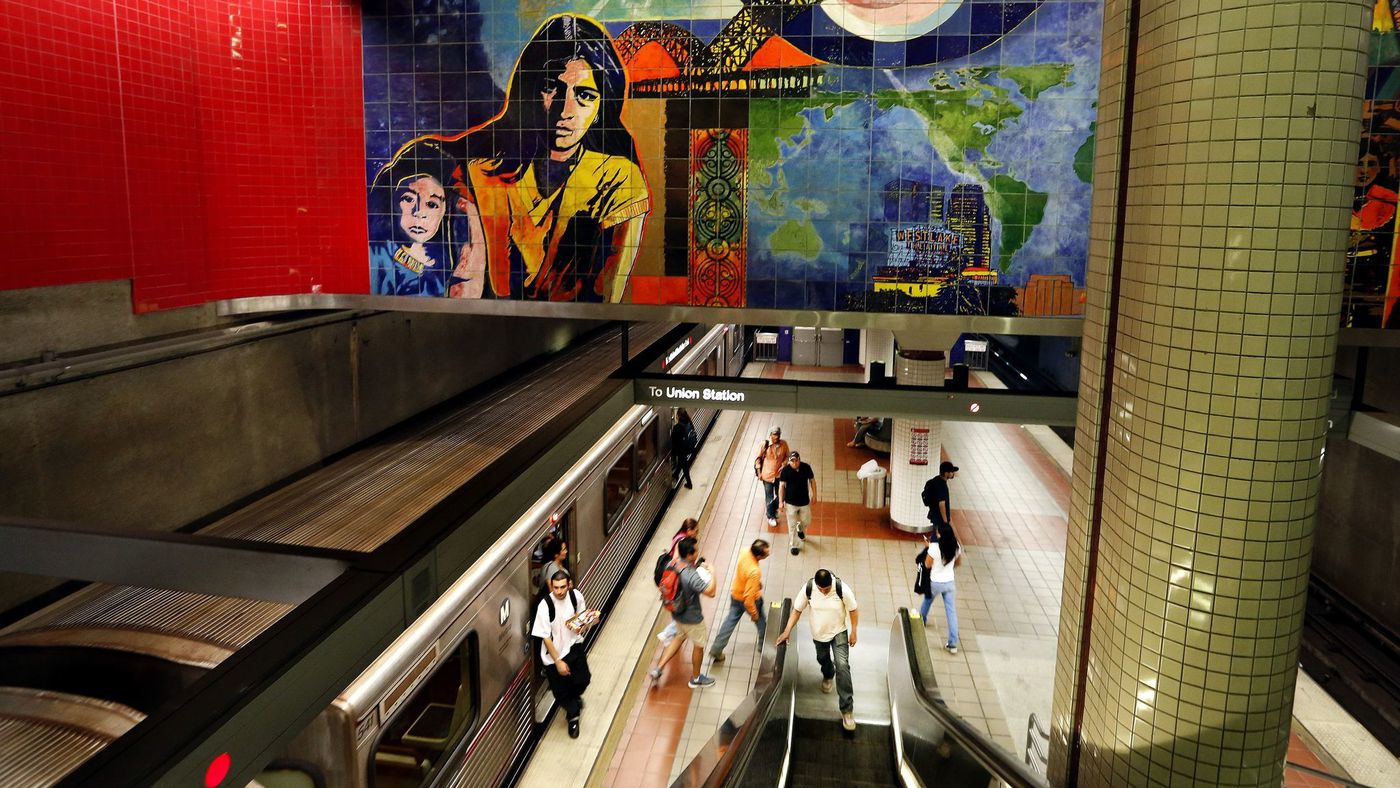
(939, 557)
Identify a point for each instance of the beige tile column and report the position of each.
(1214, 281)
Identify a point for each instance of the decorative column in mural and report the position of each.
(718, 216)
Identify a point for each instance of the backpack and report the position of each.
(661, 562)
(669, 585)
(839, 595)
(549, 601)
(691, 439)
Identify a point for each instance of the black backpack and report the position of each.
(661, 562)
(549, 601)
(839, 595)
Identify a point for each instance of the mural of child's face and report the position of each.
(422, 204)
(571, 102)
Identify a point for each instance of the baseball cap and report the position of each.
(946, 466)
(775, 430)
(794, 456)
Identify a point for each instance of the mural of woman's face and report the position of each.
(422, 204)
(1367, 170)
(571, 103)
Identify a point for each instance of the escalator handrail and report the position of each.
(1002, 764)
(727, 753)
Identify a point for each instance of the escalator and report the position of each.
(825, 756)
(778, 738)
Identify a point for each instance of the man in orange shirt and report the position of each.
(767, 465)
(745, 596)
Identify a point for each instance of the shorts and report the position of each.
(696, 633)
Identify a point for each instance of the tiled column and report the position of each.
(1214, 282)
(907, 510)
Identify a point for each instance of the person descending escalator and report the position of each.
(833, 604)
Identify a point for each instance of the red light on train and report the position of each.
(218, 770)
(554, 518)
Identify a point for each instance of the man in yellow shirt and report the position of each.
(745, 597)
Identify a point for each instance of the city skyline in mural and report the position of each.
(796, 155)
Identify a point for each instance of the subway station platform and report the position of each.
(1010, 501)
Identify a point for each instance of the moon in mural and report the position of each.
(897, 33)
(890, 20)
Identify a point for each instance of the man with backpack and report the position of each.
(831, 602)
(682, 583)
(561, 646)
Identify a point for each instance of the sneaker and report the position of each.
(772, 521)
(827, 684)
(717, 658)
(655, 674)
(952, 648)
(848, 720)
(801, 534)
(701, 681)
(688, 486)
(794, 551)
(573, 729)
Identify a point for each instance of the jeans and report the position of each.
(770, 491)
(838, 647)
(680, 467)
(946, 589)
(731, 620)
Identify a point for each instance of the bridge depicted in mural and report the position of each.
(747, 56)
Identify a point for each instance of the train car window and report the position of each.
(413, 746)
(617, 489)
(562, 527)
(646, 448)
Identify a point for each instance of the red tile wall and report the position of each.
(203, 149)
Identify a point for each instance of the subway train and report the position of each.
(453, 701)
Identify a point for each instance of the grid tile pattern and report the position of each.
(1235, 225)
(214, 149)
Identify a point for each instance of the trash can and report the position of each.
(873, 489)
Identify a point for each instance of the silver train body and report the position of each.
(108, 654)
(454, 700)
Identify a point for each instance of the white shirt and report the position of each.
(941, 572)
(563, 637)
(829, 611)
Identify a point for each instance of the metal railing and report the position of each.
(729, 751)
(935, 745)
(1037, 743)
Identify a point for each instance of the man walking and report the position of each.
(561, 646)
(745, 596)
(690, 620)
(797, 486)
(831, 602)
(768, 464)
(935, 495)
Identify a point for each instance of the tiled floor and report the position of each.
(1009, 505)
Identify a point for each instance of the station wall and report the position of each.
(162, 444)
(799, 154)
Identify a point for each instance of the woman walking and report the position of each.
(941, 554)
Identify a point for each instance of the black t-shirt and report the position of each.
(935, 490)
(797, 492)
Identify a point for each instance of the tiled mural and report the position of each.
(918, 156)
(1372, 288)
